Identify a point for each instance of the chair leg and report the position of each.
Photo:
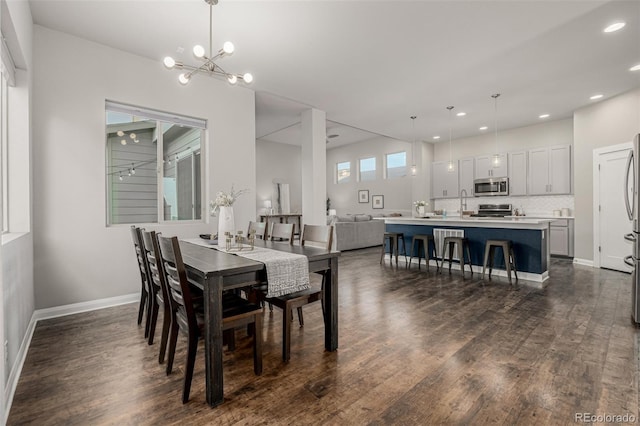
(486, 260)
(300, 317)
(143, 300)
(491, 256)
(396, 242)
(413, 244)
(173, 338)
(451, 247)
(286, 333)
(469, 257)
(154, 320)
(230, 337)
(147, 325)
(507, 262)
(166, 325)
(513, 259)
(188, 370)
(384, 246)
(460, 250)
(257, 345)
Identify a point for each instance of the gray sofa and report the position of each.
(356, 231)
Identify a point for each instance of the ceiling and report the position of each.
(372, 64)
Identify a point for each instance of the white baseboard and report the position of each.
(583, 262)
(57, 311)
(526, 276)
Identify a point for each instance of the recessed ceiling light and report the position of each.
(635, 68)
(483, 128)
(461, 114)
(544, 116)
(614, 27)
(594, 97)
(436, 137)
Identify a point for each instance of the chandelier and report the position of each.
(209, 65)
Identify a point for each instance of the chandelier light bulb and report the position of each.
(123, 142)
(496, 160)
(450, 166)
(132, 135)
(120, 133)
(232, 79)
(169, 62)
(247, 77)
(228, 47)
(198, 51)
(136, 140)
(120, 177)
(183, 79)
(414, 170)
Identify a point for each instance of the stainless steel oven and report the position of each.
(491, 186)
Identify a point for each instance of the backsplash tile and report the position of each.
(532, 206)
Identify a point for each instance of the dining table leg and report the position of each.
(331, 306)
(213, 340)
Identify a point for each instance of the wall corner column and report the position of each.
(314, 167)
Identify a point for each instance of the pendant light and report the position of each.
(414, 169)
(496, 156)
(450, 167)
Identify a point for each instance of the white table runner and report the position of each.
(286, 272)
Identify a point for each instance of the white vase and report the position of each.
(420, 210)
(225, 222)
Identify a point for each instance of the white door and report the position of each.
(614, 223)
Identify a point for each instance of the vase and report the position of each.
(420, 210)
(225, 222)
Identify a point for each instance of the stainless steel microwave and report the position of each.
(491, 186)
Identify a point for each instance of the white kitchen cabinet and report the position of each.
(486, 167)
(518, 173)
(444, 183)
(466, 175)
(550, 170)
(561, 238)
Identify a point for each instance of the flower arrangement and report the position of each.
(420, 203)
(225, 199)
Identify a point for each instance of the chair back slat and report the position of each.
(177, 282)
(136, 235)
(282, 232)
(318, 236)
(150, 241)
(259, 227)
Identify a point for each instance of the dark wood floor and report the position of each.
(415, 348)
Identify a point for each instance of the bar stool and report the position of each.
(424, 240)
(463, 244)
(507, 251)
(394, 240)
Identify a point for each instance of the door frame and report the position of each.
(596, 194)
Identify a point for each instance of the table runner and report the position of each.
(286, 272)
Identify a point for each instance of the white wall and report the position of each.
(16, 255)
(558, 132)
(282, 162)
(78, 257)
(605, 123)
(397, 192)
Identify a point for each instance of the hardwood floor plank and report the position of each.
(415, 348)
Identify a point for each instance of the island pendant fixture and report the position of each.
(496, 156)
(450, 167)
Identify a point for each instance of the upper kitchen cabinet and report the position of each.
(518, 173)
(486, 167)
(550, 170)
(466, 175)
(444, 182)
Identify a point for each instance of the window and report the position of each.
(367, 169)
(154, 166)
(343, 172)
(396, 165)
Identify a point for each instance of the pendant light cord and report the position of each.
(495, 120)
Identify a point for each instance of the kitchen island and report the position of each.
(530, 238)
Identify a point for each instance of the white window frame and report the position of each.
(348, 179)
(375, 168)
(386, 165)
(160, 117)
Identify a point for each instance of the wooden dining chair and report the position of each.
(143, 267)
(190, 320)
(259, 227)
(159, 291)
(282, 232)
(311, 235)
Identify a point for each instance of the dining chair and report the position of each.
(190, 318)
(317, 235)
(259, 227)
(145, 298)
(160, 291)
(282, 232)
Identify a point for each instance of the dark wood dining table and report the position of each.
(215, 271)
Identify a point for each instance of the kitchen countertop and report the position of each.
(515, 222)
(540, 216)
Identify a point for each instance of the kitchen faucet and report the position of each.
(463, 201)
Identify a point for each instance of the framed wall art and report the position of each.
(363, 196)
(377, 201)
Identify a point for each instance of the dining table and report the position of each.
(217, 271)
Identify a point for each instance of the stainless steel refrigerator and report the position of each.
(632, 201)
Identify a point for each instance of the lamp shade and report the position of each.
(332, 212)
(267, 204)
